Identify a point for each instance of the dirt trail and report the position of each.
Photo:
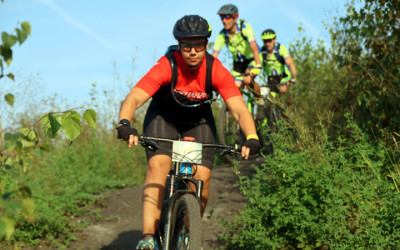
(122, 211)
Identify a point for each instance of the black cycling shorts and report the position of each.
(157, 125)
(241, 67)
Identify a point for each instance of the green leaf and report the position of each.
(45, 122)
(8, 40)
(27, 144)
(21, 35)
(10, 162)
(6, 53)
(6, 228)
(50, 124)
(26, 26)
(9, 99)
(11, 76)
(54, 125)
(28, 206)
(90, 117)
(71, 125)
(28, 133)
(10, 145)
(12, 136)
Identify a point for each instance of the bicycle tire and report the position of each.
(228, 131)
(187, 208)
(275, 115)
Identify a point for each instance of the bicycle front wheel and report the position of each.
(186, 231)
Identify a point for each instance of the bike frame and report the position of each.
(177, 185)
(177, 180)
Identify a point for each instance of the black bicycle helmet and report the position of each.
(192, 26)
(228, 9)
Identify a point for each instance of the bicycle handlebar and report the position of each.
(151, 143)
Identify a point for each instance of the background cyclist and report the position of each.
(277, 60)
(181, 107)
(239, 37)
(279, 68)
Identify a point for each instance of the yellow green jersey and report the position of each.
(239, 43)
(274, 64)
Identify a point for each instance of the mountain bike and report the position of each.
(269, 114)
(266, 114)
(229, 131)
(180, 221)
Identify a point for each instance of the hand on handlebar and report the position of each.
(292, 82)
(126, 133)
(250, 147)
(256, 70)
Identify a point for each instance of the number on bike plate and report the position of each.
(185, 151)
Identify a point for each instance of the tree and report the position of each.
(8, 41)
(367, 46)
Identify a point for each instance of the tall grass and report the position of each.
(67, 180)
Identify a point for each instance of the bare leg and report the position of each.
(204, 174)
(153, 191)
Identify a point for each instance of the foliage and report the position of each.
(18, 148)
(339, 187)
(67, 180)
(318, 93)
(339, 195)
(366, 44)
(8, 41)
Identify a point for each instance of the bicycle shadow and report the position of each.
(125, 240)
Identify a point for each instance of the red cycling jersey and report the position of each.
(191, 82)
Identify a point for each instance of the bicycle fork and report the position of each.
(175, 188)
(181, 178)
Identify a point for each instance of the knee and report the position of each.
(283, 89)
(159, 165)
(205, 176)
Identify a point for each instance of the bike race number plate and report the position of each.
(185, 151)
(264, 91)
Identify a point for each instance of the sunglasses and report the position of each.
(268, 40)
(225, 17)
(187, 47)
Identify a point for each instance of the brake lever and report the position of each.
(149, 144)
(234, 149)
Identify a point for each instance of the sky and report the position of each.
(74, 43)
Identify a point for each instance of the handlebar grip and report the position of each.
(148, 143)
(231, 149)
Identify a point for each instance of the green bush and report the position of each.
(335, 194)
(67, 180)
